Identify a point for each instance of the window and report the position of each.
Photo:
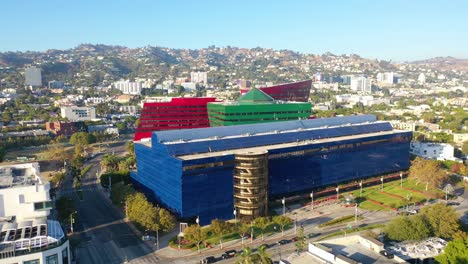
(65, 255)
(42, 206)
(21, 198)
(34, 261)
(52, 259)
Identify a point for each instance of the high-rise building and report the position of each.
(361, 84)
(386, 77)
(127, 87)
(33, 76)
(209, 172)
(179, 113)
(256, 107)
(27, 235)
(297, 92)
(199, 77)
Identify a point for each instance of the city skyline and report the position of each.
(396, 30)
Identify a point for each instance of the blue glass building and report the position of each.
(191, 171)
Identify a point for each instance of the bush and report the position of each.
(116, 176)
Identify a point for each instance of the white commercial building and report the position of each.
(199, 77)
(422, 78)
(435, 151)
(128, 87)
(33, 76)
(76, 113)
(26, 236)
(386, 77)
(94, 100)
(460, 138)
(361, 84)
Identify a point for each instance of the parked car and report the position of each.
(208, 260)
(312, 235)
(283, 241)
(453, 203)
(229, 254)
(386, 254)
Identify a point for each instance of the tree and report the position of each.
(195, 234)
(455, 252)
(110, 162)
(219, 228)
(301, 241)
(443, 219)
(243, 229)
(82, 139)
(245, 257)
(120, 193)
(263, 256)
(166, 220)
(64, 207)
(130, 148)
(408, 228)
(142, 212)
(262, 223)
(428, 172)
(465, 147)
(282, 221)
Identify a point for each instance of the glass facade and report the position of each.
(297, 92)
(196, 177)
(179, 113)
(52, 259)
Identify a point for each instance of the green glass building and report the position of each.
(256, 107)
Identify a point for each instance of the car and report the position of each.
(386, 254)
(229, 254)
(283, 242)
(208, 260)
(312, 235)
(453, 203)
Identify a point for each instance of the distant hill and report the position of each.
(445, 63)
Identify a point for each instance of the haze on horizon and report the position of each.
(398, 30)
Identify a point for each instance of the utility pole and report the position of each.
(355, 213)
(283, 201)
(312, 197)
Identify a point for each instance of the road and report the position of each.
(105, 236)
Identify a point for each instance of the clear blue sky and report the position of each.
(400, 30)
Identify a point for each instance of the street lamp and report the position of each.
(381, 179)
(337, 193)
(295, 223)
(355, 213)
(72, 221)
(197, 220)
(235, 214)
(401, 180)
(360, 185)
(283, 201)
(312, 197)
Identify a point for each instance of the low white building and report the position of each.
(107, 128)
(76, 113)
(26, 235)
(435, 151)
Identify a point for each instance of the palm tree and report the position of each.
(245, 257)
(263, 256)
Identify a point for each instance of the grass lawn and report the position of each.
(374, 193)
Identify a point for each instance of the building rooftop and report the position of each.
(27, 235)
(280, 146)
(19, 175)
(428, 248)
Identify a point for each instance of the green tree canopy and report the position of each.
(282, 221)
(408, 228)
(220, 228)
(465, 147)
(146, 215)
(455, 252)
(195, 234)
(443, 219)
(82, 139)
(262, 223)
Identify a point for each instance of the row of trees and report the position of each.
(437, 220)
(195, 234)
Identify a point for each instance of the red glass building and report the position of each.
(297, 91)
(179, 113)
